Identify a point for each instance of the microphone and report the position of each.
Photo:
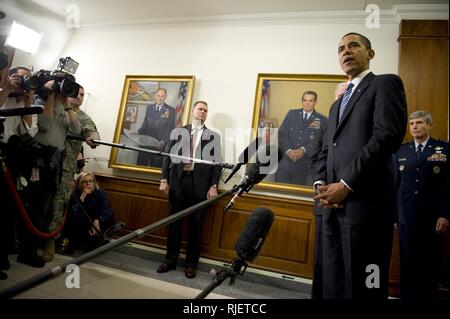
(18, 111)
(254, 234)
(247, 248)
(256, 172)
(244, 156)
(251, 240)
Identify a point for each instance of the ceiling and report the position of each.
(101, 12)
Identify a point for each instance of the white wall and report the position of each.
(224, 59)
(55, 33)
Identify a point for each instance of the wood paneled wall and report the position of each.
(423, 67)
(288, 247)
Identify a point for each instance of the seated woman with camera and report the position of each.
(88, 216)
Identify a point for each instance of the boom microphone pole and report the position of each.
(139, 149)
(56, 271)
(20, 111)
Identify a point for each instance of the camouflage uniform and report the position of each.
(73, 148)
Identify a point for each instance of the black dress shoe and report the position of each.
(165, 268)
(190, 273)
(32, 260)
(3, 276)
(4, 263)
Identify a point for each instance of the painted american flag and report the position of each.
(265, 100)
(180, 104)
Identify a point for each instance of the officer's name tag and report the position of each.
(403, 159)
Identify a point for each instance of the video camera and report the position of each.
(64, 79)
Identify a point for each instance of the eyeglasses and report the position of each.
(87, 181)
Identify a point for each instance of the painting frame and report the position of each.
(140, 93)
(286, 88)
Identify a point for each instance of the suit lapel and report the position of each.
(359, 90)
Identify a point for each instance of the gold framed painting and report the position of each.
(282, 101)
(151, 107)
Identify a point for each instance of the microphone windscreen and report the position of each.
(21, 111)
(254, 234)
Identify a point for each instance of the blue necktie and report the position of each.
(345, 98)
(419, 152)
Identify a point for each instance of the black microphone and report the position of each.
(243, 158)
(256, 172)
(247, 248)
(251, 240)
(18, 111)
(254, 234)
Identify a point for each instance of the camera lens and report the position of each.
(69, 88)
(31, 83)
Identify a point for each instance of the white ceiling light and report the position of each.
(23, 38)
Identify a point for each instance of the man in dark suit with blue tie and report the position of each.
(421, 171)
(297, 137)
(159, 121)
(354, 180)
(188, 184)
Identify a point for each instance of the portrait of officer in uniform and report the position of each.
(158, 123)
(298, 138)
(421, 171)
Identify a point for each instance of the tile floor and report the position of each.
(96, 282)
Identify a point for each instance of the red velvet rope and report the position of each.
(23, 213)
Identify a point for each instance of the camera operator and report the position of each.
(73, 149)
(15, 94)
(55, 122)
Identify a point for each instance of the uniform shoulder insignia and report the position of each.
(320, 114)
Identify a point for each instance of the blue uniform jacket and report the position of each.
(294, 132)
(421, 185)
(158, 124)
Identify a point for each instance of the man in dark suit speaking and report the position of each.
(354, 178)
(189, 183)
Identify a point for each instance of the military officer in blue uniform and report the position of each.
(421, 171)
(297, 137)
(158, 123)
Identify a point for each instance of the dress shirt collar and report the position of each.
(357, 79)
(424, 143)
(309, 114)
(197, 125)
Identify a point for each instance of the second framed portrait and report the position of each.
(150, 108)
(291, 111)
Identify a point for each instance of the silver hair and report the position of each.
(421, 114)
